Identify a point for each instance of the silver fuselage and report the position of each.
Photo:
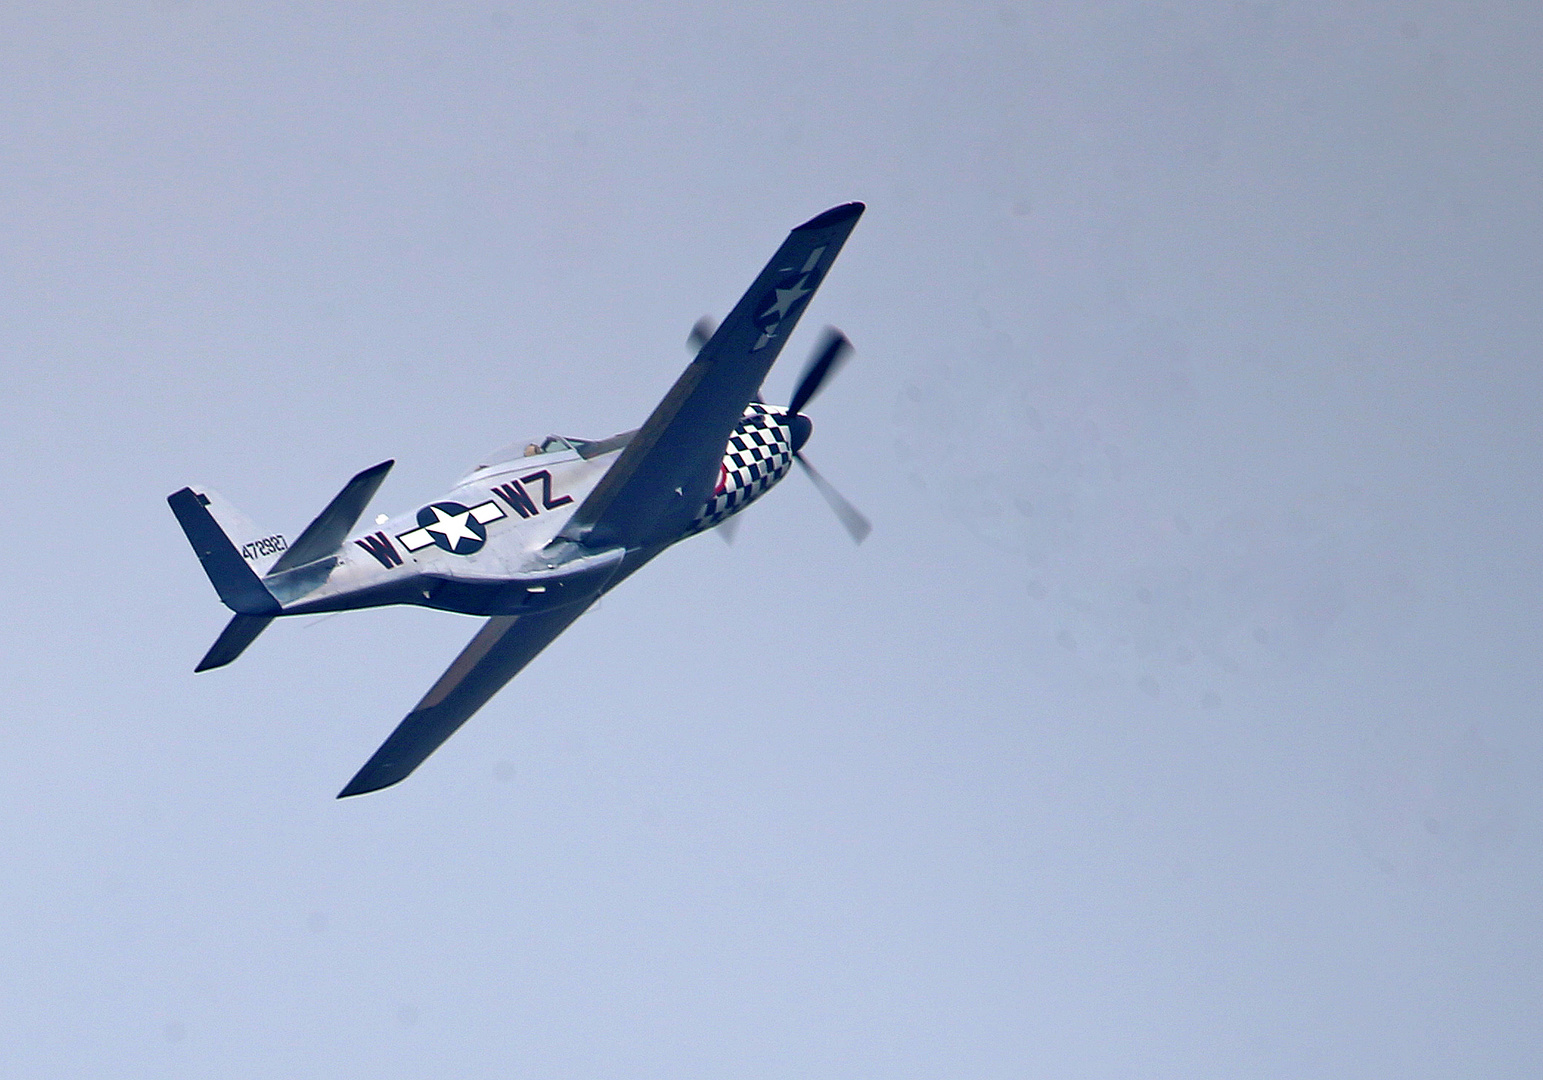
(491, 545)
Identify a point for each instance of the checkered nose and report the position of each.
(760, 453)
(770, 438)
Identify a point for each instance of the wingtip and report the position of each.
(367, 780)
(382, 468)
(836, 215)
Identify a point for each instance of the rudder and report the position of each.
(260, 548)
(237, 583)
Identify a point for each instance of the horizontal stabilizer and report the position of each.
(326, 534)
(238, 586)
(240, 632)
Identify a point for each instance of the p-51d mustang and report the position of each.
(533, 538)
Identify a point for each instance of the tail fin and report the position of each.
(215, 528)
(238, 585)
(260, 548)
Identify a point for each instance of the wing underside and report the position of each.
(501, 649)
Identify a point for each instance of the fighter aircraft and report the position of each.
(533, 536)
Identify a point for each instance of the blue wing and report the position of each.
(501, 649)
(646, 500)
(652, 493)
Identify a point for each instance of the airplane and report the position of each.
(532, 537)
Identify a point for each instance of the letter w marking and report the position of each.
(380, 547)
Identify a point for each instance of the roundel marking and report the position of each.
(453, 527)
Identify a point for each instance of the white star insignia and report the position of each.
(452, 527)
(786, 298)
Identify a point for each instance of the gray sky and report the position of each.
(1180, 718)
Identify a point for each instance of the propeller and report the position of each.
(701, 334)
(828, 357)
(832, 352)
(857, 526)
(728, 528)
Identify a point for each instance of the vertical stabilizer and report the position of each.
(237, 556)
(260, 548)
(239, 587)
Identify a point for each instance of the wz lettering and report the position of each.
(513, 494)
(519, 499)
(546, 490)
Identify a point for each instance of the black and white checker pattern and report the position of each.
(760, 452)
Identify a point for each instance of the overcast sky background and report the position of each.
(1180, 718)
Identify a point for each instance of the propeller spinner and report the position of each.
(832, 352)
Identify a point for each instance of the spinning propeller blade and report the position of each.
(701, 334)
(858, 526)
(827, 358)
(830, 355)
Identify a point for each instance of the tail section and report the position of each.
(260, 548)
(240, 632)
(238, 585)
(240, 560)
(326, 534)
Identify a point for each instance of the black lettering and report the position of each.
(515, 496)
(380, 547)
(546, 490)
(256, 549)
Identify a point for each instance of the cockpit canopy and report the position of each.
(550, 445)
(554, 444)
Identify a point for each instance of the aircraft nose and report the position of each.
(802, 427)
